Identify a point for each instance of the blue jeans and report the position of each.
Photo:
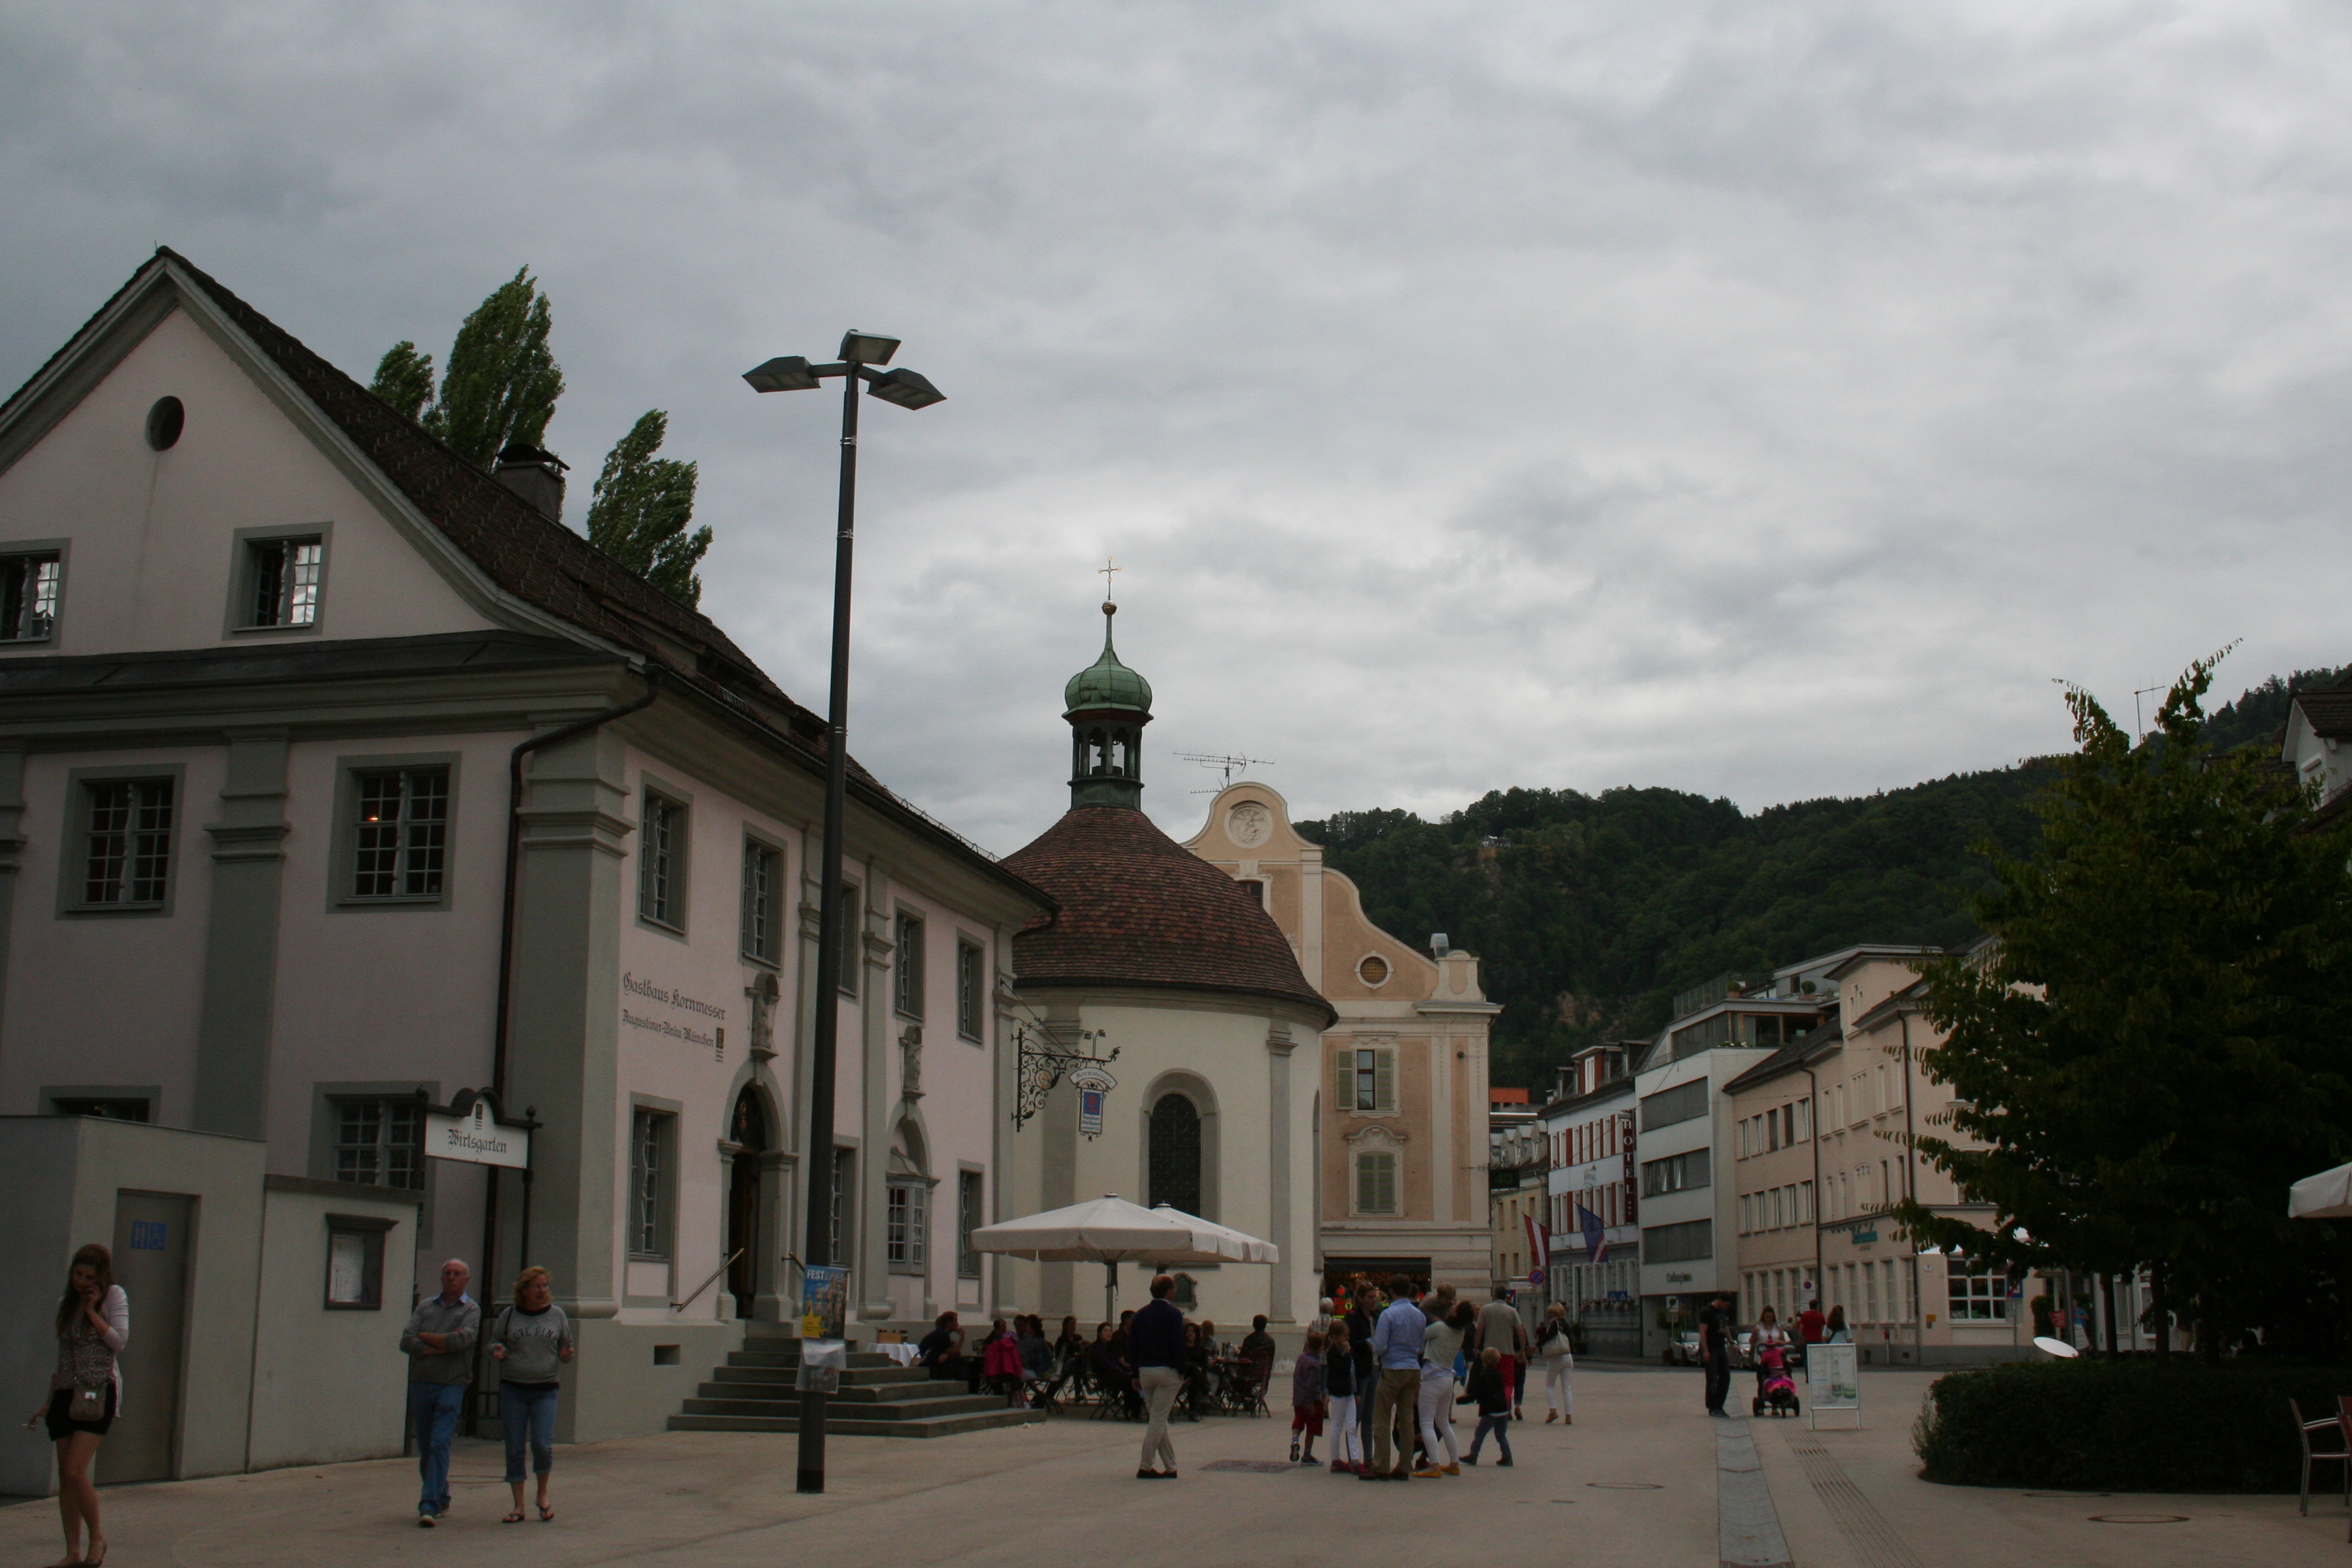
(433, 1411)
(528, 1407)
(1500, 1425)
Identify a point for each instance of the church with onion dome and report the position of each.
(1175, 977)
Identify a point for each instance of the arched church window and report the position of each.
(1175, 1153)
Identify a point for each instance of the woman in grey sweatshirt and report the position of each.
(531, 1341)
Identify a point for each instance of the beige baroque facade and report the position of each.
(1401, 1162)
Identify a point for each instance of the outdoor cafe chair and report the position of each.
(2339, 1454)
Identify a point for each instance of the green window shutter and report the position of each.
(1343, 1081)
(1385, 1166)
(1384, 1079)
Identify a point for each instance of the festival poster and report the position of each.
(825, 1302)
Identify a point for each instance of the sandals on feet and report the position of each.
(511, 1518)
(545, 1513)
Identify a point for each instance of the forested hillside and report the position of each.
(1590, 911)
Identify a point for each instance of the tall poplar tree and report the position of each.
(642, 506)
(2158, 1041)
(403, 378)
(501, 381)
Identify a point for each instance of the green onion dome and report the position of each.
(1106, 683)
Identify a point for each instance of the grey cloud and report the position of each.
(1757, 400)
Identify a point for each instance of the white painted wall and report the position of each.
(107, 998)
(153, 533)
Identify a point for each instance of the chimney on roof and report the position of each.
(536, 476)
(1438, 946)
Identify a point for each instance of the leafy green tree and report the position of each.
(641, 507)
(403, 378)
(502, 381)
(2159, 1040)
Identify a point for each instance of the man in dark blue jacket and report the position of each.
(1156, 1342)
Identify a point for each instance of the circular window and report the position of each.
(1374, 970)
(164, 421)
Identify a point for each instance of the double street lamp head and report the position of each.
(793, 373)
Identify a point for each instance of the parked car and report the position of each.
(1743, 1349)
(1684, 1349)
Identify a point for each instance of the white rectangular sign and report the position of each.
(477, 1139)
(1833, 1379)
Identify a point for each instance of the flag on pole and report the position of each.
(1538, 1246)
(1596, 1234)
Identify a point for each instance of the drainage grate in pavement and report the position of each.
(1746, 1525)
(2065, 1494)
(1254, 1467)
(2139, 1519)
(1625, 1487)
(1874, 1542)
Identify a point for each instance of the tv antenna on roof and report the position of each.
(2136, 722)
(1227, 765)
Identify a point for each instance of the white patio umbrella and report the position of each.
(1110, 1231)
(2328, 1195)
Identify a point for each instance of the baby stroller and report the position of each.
(1776, 1390)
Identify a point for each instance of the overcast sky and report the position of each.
(1767, 401)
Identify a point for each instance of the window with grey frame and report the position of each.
(845, 1179)
(763, 874)
(29, 586)
(972, 990)
(379, 1140)
(970, 1189)
(283, 579)
(908, 979)
(1674, 1173)
(106, 1107)
(661, 862)
(905, 1242)
(847, 973)
(127, 843)
(651, 1141)
(400, 840)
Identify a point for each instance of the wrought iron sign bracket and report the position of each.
(1043, 1060)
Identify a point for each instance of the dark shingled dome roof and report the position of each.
(1138, 909)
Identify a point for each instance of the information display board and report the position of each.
(1833, 1383)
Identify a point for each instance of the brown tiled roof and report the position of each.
(1138, 909)
(2328, 712)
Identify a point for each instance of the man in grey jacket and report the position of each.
(439, 1340)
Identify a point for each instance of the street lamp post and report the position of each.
(860, 354)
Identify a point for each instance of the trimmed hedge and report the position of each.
(2123, 1425)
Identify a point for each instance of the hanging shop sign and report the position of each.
(1093, 1083)
(470, 1131)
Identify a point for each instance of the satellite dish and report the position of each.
(2058, 1348)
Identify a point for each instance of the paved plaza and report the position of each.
(1641, 1479)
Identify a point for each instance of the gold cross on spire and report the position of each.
(1106, 569)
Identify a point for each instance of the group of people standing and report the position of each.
(1388, 1366)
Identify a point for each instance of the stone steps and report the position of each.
(754, 1392)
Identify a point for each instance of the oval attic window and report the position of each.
(164, 421)
(1374, 970)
